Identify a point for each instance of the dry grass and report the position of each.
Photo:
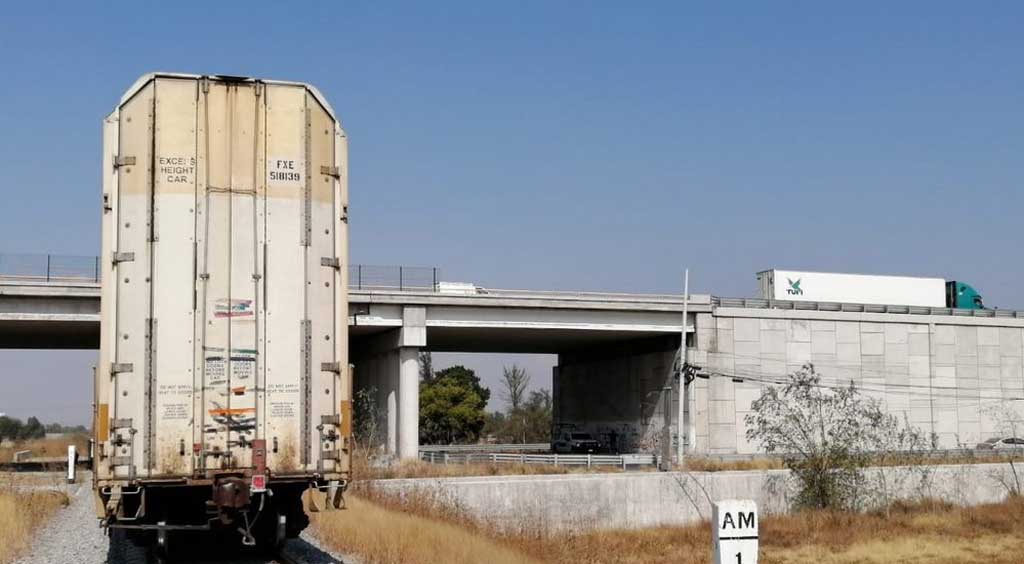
(21, 512)
(385, 530)
(379, 535)
(47, 448)
(11, 480)
(695, 464)
(928, 532)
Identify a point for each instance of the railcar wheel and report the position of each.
(162, 546)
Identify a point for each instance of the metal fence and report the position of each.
(367, 276)
(528, 447)
(581, 460)
(939, 456)
(68, 268)
(49, 268)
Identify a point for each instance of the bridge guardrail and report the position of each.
(69, 268)
(758, 303)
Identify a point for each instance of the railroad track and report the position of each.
(74, 536)
(285, 558)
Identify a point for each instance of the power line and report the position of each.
(741, 377)
(860, 367)
(862, 370)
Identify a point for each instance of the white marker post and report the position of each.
(734, 523)
(71, 464)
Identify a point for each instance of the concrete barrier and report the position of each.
(647, 499)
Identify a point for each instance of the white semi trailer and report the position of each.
(223, 390)
(803, 286)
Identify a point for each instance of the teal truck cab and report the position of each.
(962, 296)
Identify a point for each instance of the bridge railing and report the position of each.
(758, 303)
(49, 268)
(369, 277)
(69, 268)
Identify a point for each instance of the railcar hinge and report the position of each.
(332, 171)
(331, 367)
(119, 257)
(119, 367)
(120, 161)
(333, 262)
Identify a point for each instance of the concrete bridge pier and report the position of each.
(388, 364)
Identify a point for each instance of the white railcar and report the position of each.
(223, 388)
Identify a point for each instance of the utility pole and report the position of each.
(666, 440)
(683, 415)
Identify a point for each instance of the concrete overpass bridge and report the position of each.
(942, 369)
(65, 315)
(390, 326)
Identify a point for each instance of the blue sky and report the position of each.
(557, 145)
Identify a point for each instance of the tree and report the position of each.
(496, 425)
(33, 429)
(538, 411)
(452, 406)
(466, 377)
(10, 428)
(1009, 424)
(515, 380)
(899, 453)
(367, 419)
(426, 366)
(530, 423)
(827, 437)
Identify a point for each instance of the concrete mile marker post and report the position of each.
(734, 526)
(71, 464)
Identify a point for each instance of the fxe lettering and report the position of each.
(285, 170)
(285, 176)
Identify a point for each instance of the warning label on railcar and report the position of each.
(243, 362)
(216, 370)
(176, 169)
(284, 171)
(232, 308)
(284, 408)
(175, 401)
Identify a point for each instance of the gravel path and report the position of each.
(73, 536)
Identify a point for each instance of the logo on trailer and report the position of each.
(232, 308)
(794, 287)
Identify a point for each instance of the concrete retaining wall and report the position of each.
(945, 375)
(646, 499)
(954, 376)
